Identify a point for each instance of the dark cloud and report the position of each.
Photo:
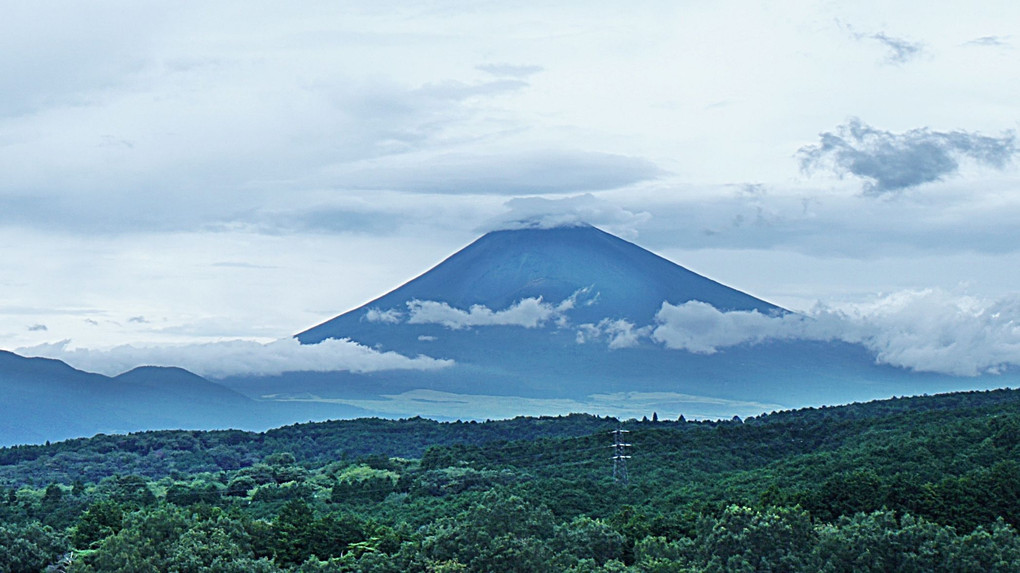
(38, 328)
(900, 50)
(892, 162)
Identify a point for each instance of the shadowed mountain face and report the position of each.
(541, 321)
(609, 278)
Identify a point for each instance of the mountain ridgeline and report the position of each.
(47, 400)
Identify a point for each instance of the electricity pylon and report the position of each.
(620, 456)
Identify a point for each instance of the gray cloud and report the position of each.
(168, 175)
(371, 219)
(237, 357)
(892, 162)
(509, 70)
(458, 91)
(70, 55)
(900, 51)
(38, 328)
(995, 41)
(534, 172)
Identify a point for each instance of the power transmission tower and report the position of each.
(620, 456)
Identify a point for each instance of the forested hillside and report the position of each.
(913, 484)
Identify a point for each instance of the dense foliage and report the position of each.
(911, 484)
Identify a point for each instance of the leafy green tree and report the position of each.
(30, 547)
(746, 539)
(240, 486)
(587, 538)
(500, 533)
(102, 519)
(130, 490)
(293, 530)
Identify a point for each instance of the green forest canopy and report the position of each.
(924, 483)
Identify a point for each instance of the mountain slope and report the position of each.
(616, 279)
(582, 343)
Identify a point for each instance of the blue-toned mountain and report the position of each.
(547, 321)
(43, 399)
(607, 276)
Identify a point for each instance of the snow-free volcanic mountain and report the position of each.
(607, 278)
(547, 321)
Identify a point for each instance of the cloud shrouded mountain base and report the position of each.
(564, 314)
(539, 320)
(236, 357)
(923, 331)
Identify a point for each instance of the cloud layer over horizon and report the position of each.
(236, 357)
(929, 330)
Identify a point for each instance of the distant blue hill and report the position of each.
(550, 365)
(43, 399)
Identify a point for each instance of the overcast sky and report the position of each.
(193, 172)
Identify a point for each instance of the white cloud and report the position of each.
(928, 330)
(528, 312)
(701, 328)
(933, 330)
(585, 209)
(389, 316)
(236, 357)
(619, 333)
